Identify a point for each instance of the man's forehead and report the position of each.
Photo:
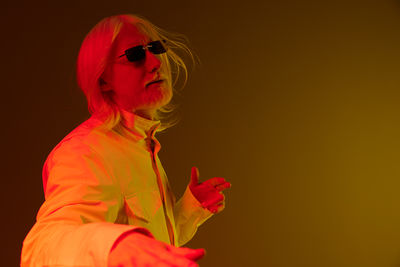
(132, 36)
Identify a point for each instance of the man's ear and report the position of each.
(104, 86)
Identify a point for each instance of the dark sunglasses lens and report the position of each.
(135, 53)
(157, 47)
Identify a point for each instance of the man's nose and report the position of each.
(152, 61)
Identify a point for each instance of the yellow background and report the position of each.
(296, 103)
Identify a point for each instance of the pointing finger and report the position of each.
(216, 181)
(223, 186)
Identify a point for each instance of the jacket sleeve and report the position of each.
(189, 215)
(75, 225)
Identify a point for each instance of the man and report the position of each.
(108, 200)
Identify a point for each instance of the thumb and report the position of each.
(195, 176)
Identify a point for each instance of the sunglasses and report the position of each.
(138, 53)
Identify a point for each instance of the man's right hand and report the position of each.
(137, 249)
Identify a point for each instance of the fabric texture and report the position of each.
(100, 184)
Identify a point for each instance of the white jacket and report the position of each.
(100, 184)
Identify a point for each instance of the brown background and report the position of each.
(295, 102)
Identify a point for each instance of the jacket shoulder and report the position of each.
(81, 139)
(76, 149)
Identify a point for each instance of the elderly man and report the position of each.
(108, 200)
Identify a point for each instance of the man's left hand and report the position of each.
(209, 193)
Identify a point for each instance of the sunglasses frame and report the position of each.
(144, 48)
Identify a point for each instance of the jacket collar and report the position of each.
(138, 125)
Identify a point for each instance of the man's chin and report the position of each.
(156, 103)
(161, 99)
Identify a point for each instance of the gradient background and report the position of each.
(296, 103)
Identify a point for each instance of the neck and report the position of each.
(147, 114)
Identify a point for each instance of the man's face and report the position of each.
(129, 80)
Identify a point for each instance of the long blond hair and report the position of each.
(94, 56)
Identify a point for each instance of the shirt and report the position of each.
(100, 184)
